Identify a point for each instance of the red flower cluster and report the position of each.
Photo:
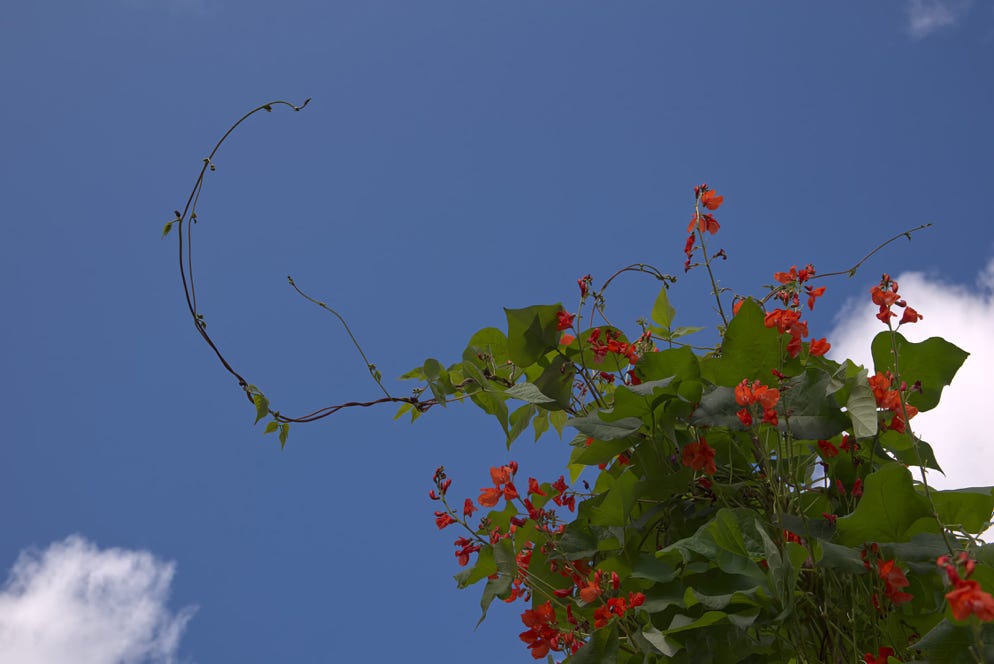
(788, 321)
(888, 397)
(560, 498)
(882, 656)
(565, 321)
(699, 456)
(966, 598)
(765, 397)
(613, 345)
(503, 486)
(885, 296)
(702, 221)
(543, 632)
(616, 606)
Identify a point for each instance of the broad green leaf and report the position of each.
(749, 350)
(615, 509)
(903, 447)
(676, 363)
(950, 643)
(682, 623)
(662, 311)
(888, 510)
(528, 392)
(934, 362)
(487, 348)
(540, 423)
(813, 413)
(556, 382)
(861, 407)
(717, 408)
(661, 643)
(599, 451)
(970, 509)
(558, 419)
(598, 429)
(531, 332)
(519, 422)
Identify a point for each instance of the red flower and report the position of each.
(489, 496)
(567, 339)
(501, 475)
(857, 488)
(565, 320)
(602, 616)
(468, 508)
(910, 316)
(819, 347)
(591, 591)
(533, 487)
(711, 200)
(688, 248)
(699, 456)
(584, 284)
(443, 519)
(813, 294)
(881, 657)
(745, 417)
(967, 598)
(510, 492)
(894, 579)
(828, 450)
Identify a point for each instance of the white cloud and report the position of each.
(964, 316)
(927, 16)
(75, 603)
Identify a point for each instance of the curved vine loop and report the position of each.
(185, 220)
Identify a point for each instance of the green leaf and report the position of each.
(484, 567)
(540, 423)
(749, 350)
(599, 451)
(284, 433)
(662, 311)
(903, 446)
(616, 507)
(888, 510)
(528, 392)
(971, 508)
(934, 362)
(682, 623)
(861, 407)
(950, 643)
(598, 429)
(676, 363)
(519, 422)
(813, 413)
(661, 643)
(261, 406)
(531, 332)
(165, 229)
(556, 382)
(271, 427)
(507, 569)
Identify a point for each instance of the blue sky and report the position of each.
(457, 157)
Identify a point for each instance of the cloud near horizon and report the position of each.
(963, 315)
(73, 602)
